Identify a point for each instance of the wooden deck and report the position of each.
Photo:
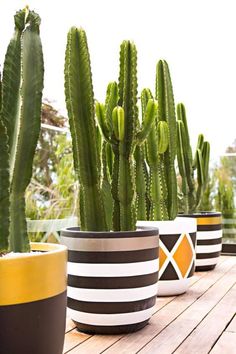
(201, 321)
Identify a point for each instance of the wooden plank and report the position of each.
(74, 338)
(96, 344)
(232, 326)
(174, 334)
(133, 342)
(226, 344)
(205, 335)
(69, 324)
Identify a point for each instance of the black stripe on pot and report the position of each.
(208, 255)
(138, 281)
(113, 257)
(110, 329)
(169, 273)
(209, 227)
(205, 268)
(140, 232)
(191, 272)
(33, 328)
(203, 214)
(111, 307)
(208, 242)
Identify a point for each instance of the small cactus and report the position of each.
(161, 148)
(192, 191)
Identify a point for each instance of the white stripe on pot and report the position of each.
(208, 249)
(113, 270)
(111, 319)
(209, 235)
(109, 245)
(206, 261)
(112, 295)
(172, 287)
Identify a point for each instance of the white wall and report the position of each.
(197, 38)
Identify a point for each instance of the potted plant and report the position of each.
(209, 228)
(112, 283)
(158, 203)
(32, 276)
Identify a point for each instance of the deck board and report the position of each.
(179, 323)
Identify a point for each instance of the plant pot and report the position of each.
(209, 239)
(177, 254)
(33, 301)
(112, 282)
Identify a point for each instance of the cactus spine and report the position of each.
(21, 96)
(80, 107)
(192, 191)
(161, 148)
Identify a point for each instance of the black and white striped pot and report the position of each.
(112, 278)
(177, 254)
(209, 239)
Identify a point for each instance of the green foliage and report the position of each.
(192, 190)
(60, 199)
(21, 95)
(45, 159)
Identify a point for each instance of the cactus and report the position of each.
(161, 148)
(80, 107)
(21, 95)
(118, 120)
(192, 191)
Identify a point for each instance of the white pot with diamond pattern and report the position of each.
(177, 254)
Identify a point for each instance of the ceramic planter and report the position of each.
(33, 301)
(209, 239)
(177, 254)
(112, 282)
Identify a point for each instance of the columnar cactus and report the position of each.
(80, 107)
(21, 95)
(118, 120)
(161, 148)
(192, 191)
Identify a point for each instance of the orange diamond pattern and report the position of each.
(162, 257)
(183, 255)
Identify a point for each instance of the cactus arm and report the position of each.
(141, 183)
(106, 185)
(206, 160)
(128, 100)
(200, 143)
(166, 112)
(4, 188)
(110, 104)
(80, 107)
(181, 163)
(11, 87)
(149, 117)
(31, 96)
(114, 190)
(200, 177)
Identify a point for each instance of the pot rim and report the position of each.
(141, 231)
(44, 247)
(201, 214)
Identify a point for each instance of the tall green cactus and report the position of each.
(80, 107)
(161, 148)
(192, 191)
(119, 125)
(21, 96)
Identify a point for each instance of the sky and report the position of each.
(196, 37)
